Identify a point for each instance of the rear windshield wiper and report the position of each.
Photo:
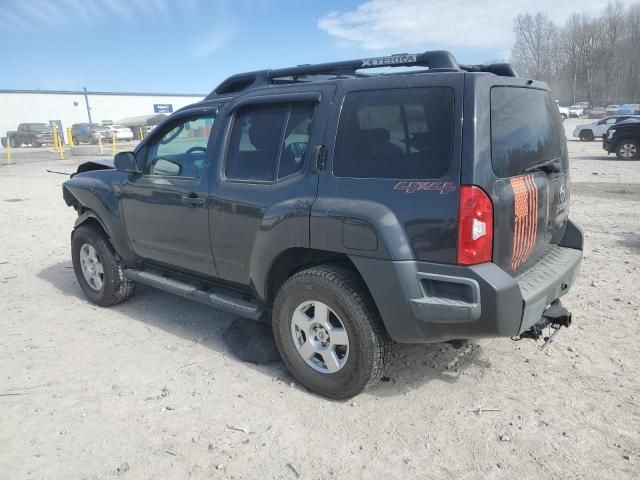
(549, 166)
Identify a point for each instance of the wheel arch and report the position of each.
(293, 260)
(89, 217)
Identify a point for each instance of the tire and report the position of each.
(628, 150)
(114, 287)
(75, 140)
(586, 136)
(362, 362)
(14, 143)
(563, 117)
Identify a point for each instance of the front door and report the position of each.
(166, 207)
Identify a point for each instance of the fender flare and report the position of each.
(85, 216)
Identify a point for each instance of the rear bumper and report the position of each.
(422, 302)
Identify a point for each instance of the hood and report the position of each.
(98, 164)
(629, 121)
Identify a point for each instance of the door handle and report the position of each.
(193, 200)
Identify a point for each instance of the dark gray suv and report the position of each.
(348, 210)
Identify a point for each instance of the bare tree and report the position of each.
(534, 44)
(594, 59)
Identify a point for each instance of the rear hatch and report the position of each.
(530, 188)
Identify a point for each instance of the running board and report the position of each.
(217, 299)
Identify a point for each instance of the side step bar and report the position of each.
(217, 299)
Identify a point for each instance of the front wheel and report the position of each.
(14, 143)
(328, 332)
(586, 136)
(628, 150)
(98, 269)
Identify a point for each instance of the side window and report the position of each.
(395, 133)
(620, 119)
(182, 151)
(611, 121)
(268, 142)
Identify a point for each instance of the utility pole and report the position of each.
(86, 100)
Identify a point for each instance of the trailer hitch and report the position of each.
(554, 318)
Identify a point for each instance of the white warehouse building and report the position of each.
(69, 107)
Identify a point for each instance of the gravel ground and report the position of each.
(148, 390)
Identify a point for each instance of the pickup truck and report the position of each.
(34, 134)
(348, 211)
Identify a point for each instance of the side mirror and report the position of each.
(126, 162)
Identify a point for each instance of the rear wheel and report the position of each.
(563, 117)
(75, 140)
(586, 136)
(98, 268)
(628, 150)
(329, 333)
(14, 143)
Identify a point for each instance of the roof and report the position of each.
(149, 119)
(81, 92)
(434, 61)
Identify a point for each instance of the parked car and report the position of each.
(597, 112)
(612, 109)
(576, 111)
(121, 132)
(90, 133)
(586, 106)
(564, 112)
(34, 134)
(629, 109)
(623, 139)
(347, 212)
(591, 131)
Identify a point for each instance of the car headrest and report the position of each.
(261, 132)
(374, 136)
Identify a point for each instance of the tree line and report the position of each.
(586, 59)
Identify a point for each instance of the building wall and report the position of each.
(25, 107)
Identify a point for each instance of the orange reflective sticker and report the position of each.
(525, 198)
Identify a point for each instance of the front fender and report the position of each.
(96, 195)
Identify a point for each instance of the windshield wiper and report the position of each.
(549, 166)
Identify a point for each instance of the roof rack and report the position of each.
(437, 60)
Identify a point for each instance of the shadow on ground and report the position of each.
(630, 241)
(411, 366)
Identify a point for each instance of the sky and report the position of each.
(189, 46)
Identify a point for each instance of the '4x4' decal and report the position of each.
(411, 187)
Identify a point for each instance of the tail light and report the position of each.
(475, 226)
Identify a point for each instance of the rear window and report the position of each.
(526, 130)
(397, 133)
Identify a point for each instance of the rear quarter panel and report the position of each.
(399, 219)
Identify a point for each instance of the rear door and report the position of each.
(266, 183)
(526, 172)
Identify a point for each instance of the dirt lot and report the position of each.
(148, 390)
